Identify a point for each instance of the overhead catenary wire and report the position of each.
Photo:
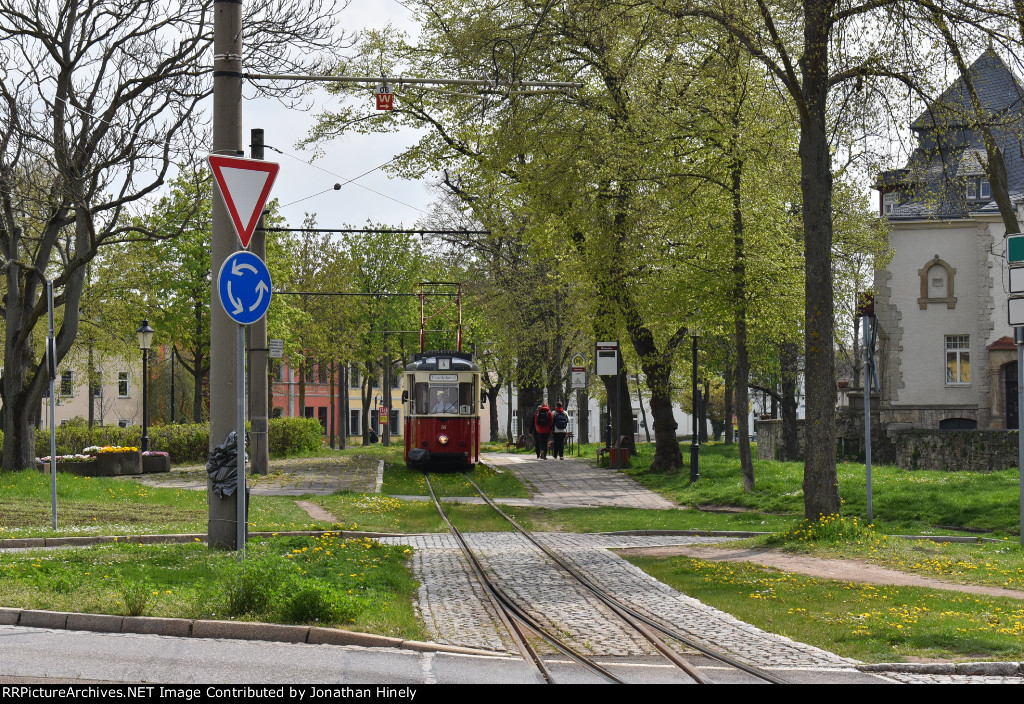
(374, 80)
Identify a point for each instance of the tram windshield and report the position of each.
(445, 397)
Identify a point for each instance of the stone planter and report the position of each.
(82, 469)
(154, 464)
(115, 464)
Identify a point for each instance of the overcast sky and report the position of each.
(303, 187)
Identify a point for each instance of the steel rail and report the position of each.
(506, 607)
(628, 614)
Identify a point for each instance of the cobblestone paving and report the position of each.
(570, 482)
(455, 610)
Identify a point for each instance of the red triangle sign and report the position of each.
(244, 184)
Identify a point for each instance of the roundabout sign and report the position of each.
(245, 287)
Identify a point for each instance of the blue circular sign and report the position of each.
(245, 287)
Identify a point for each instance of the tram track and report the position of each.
(519, 622)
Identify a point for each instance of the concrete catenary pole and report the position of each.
(227, 140)
(258, 351)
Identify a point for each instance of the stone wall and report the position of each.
(908, 448)
(957, 450)
(849, 438)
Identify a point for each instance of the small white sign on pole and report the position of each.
(276, 349)
(1015, 310)
(579, 379)
(1017, 279)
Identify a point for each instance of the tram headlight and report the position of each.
(443, 439)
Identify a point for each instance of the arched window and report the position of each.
(936, 283)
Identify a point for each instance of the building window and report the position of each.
(396, 428)
(353, 377)
(123, 386)
(353, 423)
(67, 384)
(97, 389)
(123, 423)
(979, 189)
(958, 360)
(889, 201)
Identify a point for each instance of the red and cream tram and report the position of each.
(441, 394)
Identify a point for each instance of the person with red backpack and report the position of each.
(559, 430)
(542, 424)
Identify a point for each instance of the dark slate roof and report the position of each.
(950, 150)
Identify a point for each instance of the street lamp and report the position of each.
(145, 334)
(694, 441)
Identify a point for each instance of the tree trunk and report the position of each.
(739, 270)
(821, 483)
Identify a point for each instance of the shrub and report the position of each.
(294, 436)
(185, 443)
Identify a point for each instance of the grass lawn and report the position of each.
(358, 584)
(108, 506)
(868, 622)
(921, 502)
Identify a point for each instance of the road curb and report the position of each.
(228, 630)
(976, 669)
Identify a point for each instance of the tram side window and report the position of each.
(467, 397)
(422, 398)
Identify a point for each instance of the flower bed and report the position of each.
(95, 461)
(155, 462)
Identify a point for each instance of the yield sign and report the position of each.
(244, 184)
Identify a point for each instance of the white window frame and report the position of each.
(984, 189)
(889, 201)
(126, 379)
(956, 348)
(972, 189)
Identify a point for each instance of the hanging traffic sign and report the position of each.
(245, 287)
(385, 97)
(244, 184)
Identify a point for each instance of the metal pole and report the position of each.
(52, 365)
(174, 350)
(1018, 334)
(227, 139)
(386, 428)
(145, 400)
(866, 323)
(240, 521)
(618, 417)
(258, 392)
(694, 440)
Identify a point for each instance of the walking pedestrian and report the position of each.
(542, 424)
(559, 431)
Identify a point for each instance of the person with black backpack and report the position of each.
(559, 431)
(542, 424)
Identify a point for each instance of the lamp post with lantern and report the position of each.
(145, 334)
